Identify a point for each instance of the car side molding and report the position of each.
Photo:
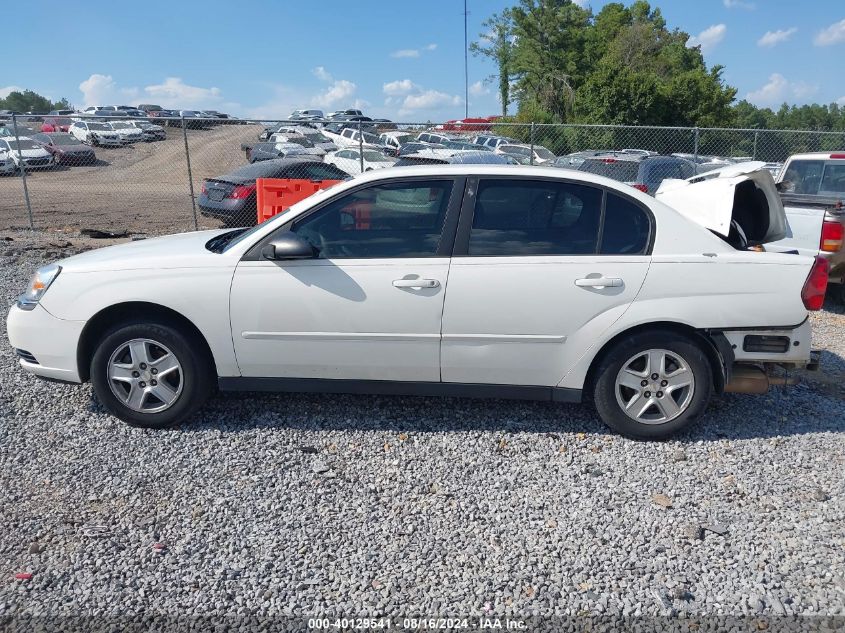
(400, 388)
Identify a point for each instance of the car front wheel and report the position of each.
(151, 375)
(652, 384)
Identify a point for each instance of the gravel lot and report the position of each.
(141, 187)
(354, 505)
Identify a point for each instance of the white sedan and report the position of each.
(23, 151)
(461, 280)
(127, 132)
(349, 160)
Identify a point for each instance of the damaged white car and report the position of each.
(460, 280)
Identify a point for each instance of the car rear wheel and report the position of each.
(151, 375)
(653, 384)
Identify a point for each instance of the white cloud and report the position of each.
(841, 101)
(4, 92)
(174, 93)
(400, 87)
(410, 97)
(779, 89)
(102, 90)
(582, 3)
(772, 38)
(834, 34)
(338, 93)
(413, 52)
(738, 4)
(171, 93)
(322, 74)
(478, 88)
(429, 100)
(708, 38)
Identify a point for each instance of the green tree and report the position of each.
(549, 53)
(29, 101)
(496, 43)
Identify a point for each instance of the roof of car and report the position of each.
(812, 155)
(634, 158)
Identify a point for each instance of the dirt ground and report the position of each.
(141, 188)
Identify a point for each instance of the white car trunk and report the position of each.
(739, 203)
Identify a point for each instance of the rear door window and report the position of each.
(626, 228)
(524, 217)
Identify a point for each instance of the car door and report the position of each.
(369, 305)
(536, 263)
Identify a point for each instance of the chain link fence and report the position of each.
(120, 176)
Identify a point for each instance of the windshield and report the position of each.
(119, 125)
(24, 144)
(63, 140)
(543, 153)
(815, 177)
(621, 170)
(300, 140)
(98, 126)
(317, 138)
(376, 157)
(514, 149)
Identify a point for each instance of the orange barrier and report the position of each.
(275, 195)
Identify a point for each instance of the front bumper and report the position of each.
(47, 340)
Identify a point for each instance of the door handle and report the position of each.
(599, 282)
(415, 283)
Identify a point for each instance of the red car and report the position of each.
(471, 124)
(56, 124)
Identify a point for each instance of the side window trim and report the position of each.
(461, 246)
(447, 237)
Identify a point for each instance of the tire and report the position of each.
(661, 413)
(192, 382)
(837, 291)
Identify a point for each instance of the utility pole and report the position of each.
(466, 65)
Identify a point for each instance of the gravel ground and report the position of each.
(353, 505)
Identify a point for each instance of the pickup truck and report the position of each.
(812, 188)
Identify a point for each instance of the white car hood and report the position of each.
(31, 153)
(182, 250)
(745, 193)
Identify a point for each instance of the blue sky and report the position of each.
(397, 59)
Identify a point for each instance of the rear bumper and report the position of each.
(225, 209)
(796, 340)
(47, 345)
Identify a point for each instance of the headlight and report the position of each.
(38, 285)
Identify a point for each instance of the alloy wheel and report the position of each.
(655, 386)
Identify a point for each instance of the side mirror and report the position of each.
(288, 247)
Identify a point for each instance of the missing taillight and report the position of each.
(812, 294)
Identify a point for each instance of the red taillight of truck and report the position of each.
(812, 294)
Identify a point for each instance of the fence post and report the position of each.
(190, 173)
(754, 152)
(532, 142)
(695, 151)
(23, 173)
(361, 145)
